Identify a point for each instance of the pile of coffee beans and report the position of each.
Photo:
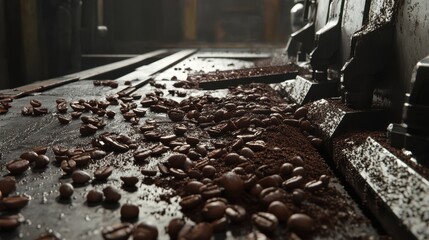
(34, 109)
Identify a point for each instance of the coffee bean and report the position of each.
(247, 152)
(129, 181)
(40, 111)
(298, 196)
(41, 161)
(232, 183)
(40, 149)
(35, 103)
(314, 186)
(98, 154)
(266, 222)
(31, 156)
(256, 146)
(129, 211)
(174, 227)
(145, 231)
(297, 161)
(192, 140)
(316, 142)
(66, 190)
(193, 155)
(149, 172)
(17, 166)
(68, 166)
(8, 223)
(80, 177)
(184, 149)
(27, 111)
(119, 231)
(232, 158)
(7, 185)
(269, 195)
(163, 169)
(49, 236)
(180, 129)
(62, 107)
(176, 115)
(178, 173)
(280, 210)
(293, 182)
(237, 144)
(177, 161)
(15, 203)
(209, 171)
(220, 225)
(298, 171)
(94, 196)
(193, 187)
(201, 231)
(214, 210)
(140, 156)
(256, 236)
(236, 213)
(217, 153)
(269, 181)
(300, 112)
(166, 139)
(210, 190)
(286, 169)
(191, 201)
(76, 115)
(301, 224)
(88, 129)
(102, 173)
(64, 119)
(159, 150)
(111, 194)
(325, 180)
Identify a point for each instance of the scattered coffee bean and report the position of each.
(145, 231)
(35, 103)
(266, 222)
(149, 172)
(111, 194)
(294, 182)
(130, 181)
(300, 112)
(17, 166)
(15, 203)
(174, 227)
(94, 196)
(7, 185)
(177, 161)
(298, 196)
(256, 236)
(129, 211)
(280, 210)
(10, 222)
(301, 224)
(286, 170)
(80, 177)
(64, 119)
(102, 173)
(214, 210)
(247, 152)
(66, 190)
(31, 156)
(68, 166)
(201, 231)
(191, 201)
(119, 231)
(236, 213)
(232, 183)
(209, 171)
(41, 161)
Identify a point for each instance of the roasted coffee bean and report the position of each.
(232, 158)
(293, 182)
(192, 140)
(111, 194)
(193, 187)
(166, 139)
(174, 227)
(286, 170)
(140, 156)
(40, 111)
(31, 156)
(49, 236)
(40, 149)
(191, 201)
(180, 129)
(68, 166)
(7, 185)
(145, 231)
(217, 153)
(209, 171)
(15, 203)
(41, 161)
(298, 196)
(66, 190)
(232, 183)
(256, 190)
(152, 136)
(300, 112)
(314, 186)
(64, 119)
(266, 222)
(291, 122)
(98, 154)
(301, 224)
(256, 146)
(35, 103)
(251, 181)
(62, 107)
(256, 236)
(140, 112)
(270, 181)
(176, 115)
(269, 195)
(178, 173)
(247, 152)
(201, 149)
(163, 169)
(316, 142)
(297, 161)
(80, 177)
(201, 231)
(59, 150)
(88, 129)
(17, 166)
(110, 114)
(3, 110)
(298, 171)
(177, 161)
(76, 115)
(325, 180)
(305, 125)
(184, 149)
(214, 210)
(220, 225)
(193, 155)
(82, 160)
(11, 222)
(94, 196)
(119, 231)
(102, 173)
(210, 190)
(236, 213)
(149, 172)
(129, 211)
(280, 210)
(129, 181)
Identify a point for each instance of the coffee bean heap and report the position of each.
(246, 161)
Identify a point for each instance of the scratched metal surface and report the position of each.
(74, 219)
